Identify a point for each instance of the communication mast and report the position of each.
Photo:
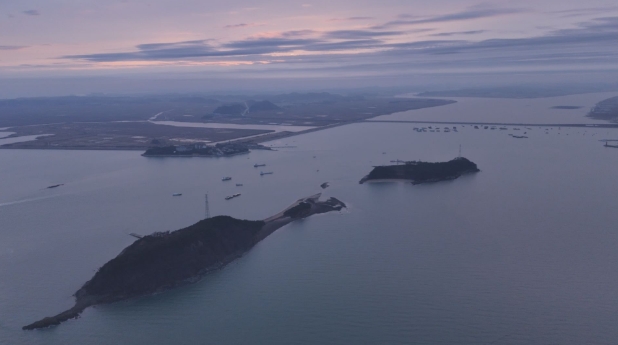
(459, 150)
(206, 208)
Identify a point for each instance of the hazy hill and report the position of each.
(235, 109)
(263, 106)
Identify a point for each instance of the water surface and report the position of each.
(527, 110)
(524, 252)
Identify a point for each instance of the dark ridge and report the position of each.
(299, 211)
(567, 107)
(421, 172)
(235, 109)
(196, 99)
(308, 97)
(605, 110)
(161, 260)
(263, 106)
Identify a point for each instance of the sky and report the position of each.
(53, 44)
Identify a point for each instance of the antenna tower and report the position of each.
(206, 208)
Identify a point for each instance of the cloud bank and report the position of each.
(371, 50)
(32, 12)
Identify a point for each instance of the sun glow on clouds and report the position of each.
(133, 64)
(321, 35)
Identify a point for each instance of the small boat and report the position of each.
(239, 185)
(265, 173)
(177, 194)
(227, 178)
(232, 196)
(607, 144)
(259, 165)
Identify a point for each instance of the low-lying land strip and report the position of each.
(203, 150)
(597, 125)
(121, 135)
(123, 123)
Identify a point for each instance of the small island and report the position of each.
(203, 150)
(165, 260)
(422, 172)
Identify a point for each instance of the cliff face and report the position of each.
(419, 172)
(163, 260)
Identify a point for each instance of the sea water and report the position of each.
(523, 252)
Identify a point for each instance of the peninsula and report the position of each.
(422, 172)
(165, 260)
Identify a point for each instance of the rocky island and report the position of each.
(166, 260)
(422, 172)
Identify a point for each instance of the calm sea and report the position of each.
(524, 252)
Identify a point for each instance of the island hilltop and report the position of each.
(165, 260)
(422, 172)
